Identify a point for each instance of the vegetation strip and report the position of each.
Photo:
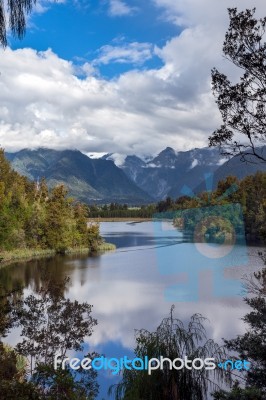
(8, 257)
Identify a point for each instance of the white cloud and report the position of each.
(43, 6)
(152, 165)
(191, 13)
(134, 53)
(222, 161)
(118, 159)
(44, 103)
(118, 8)
(95, 155)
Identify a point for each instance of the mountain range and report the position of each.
(136, 180)
(89, 180)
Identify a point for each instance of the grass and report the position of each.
(8, 257)
(106, 247)
(24, 254)
(83, 250)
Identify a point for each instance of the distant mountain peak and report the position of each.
(168, 150)
(167, 158)
(134, 159)
(115, 177)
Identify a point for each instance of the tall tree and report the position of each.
(242, 105)
(57, 227)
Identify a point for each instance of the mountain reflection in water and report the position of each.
(126, 288)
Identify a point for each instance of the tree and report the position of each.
(172, 340)
(52, 325)
(242, 105)
(8, 301)
(62, 384)
(58, 223)
(93, 236)
(251, 345)
(13, 383)
(17, 11)
(33, 218)
(238, 393)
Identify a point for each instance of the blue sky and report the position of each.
(120, 76)
(77, 31)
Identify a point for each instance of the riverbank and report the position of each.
(24, 255)
(8, 257)
(83, 250)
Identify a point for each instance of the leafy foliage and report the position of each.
(50, 324)
(250, 193)
(17, 11)
(31, 217)
(242, 105)
(173, 340)
(238, 393)
(252, 344)
(115, 210)
(65, 384)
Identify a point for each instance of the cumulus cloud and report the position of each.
(191, 13)
(44, 102)
(133, 53)
(118, 8)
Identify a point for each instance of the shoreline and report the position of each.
(24, 255)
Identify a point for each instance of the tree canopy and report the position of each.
(242, 104)
(174, 340)
(252, 344)
(32, 217)
(50, 324)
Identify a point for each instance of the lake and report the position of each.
(135, 286)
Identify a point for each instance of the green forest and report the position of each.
(249, 193)
(32, 217)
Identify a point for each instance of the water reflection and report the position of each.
(126, 288)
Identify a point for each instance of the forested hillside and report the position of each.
(32, 217)
(88, 180)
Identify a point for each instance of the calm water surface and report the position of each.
(134, 286)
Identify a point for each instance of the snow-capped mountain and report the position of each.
(169, 171)
(129, 179)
